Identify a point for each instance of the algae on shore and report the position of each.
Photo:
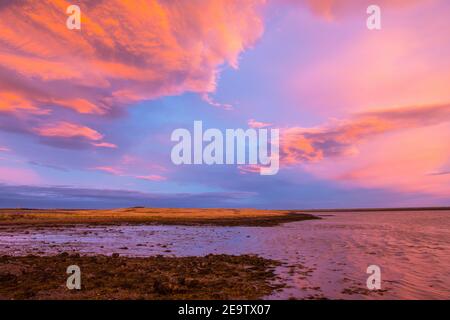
(156, 277)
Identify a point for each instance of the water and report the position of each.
(324, 258)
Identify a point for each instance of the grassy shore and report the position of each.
(114, 277)
(219, 217)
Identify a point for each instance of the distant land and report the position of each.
(378, 209)
(140, 215)
(175, 216)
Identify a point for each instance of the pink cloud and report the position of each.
(111, 170)
(208, 99)
(105, 145)
(251, 168)
(129, 167)
(340, 138)
(252, 123)
(395, 66)
(330, 9)
(403, 161)
(153, 177)
(396, 149)
(18, 175)
(364, 80)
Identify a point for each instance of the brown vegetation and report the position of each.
(221, 217)
(114, 277)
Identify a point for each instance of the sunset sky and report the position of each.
(86, 115)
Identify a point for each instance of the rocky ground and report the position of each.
(158, 277)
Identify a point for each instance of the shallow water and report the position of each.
(324, 258)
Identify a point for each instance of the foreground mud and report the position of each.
(115, 277)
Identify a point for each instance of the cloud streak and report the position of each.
(340, 138)
(67, 130)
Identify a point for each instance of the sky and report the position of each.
(86, 115)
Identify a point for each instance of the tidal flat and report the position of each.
(323, 258)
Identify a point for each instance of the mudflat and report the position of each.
(167, 216)
(156, 277)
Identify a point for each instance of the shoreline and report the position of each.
(151, 216)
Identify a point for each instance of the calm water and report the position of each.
(321, 258)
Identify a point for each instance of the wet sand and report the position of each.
(157, 277)
(152, 216)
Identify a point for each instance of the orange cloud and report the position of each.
(341, 137)
(69, 130)
(79, 105)
(126, 51)
(12, 101)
